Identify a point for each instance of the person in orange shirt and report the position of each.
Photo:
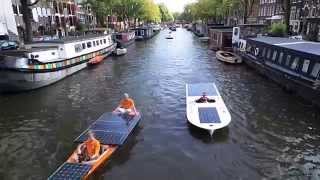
(126, 106)
(88, 151)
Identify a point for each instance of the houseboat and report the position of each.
(220, 38)
(46, 62)
(124, 39)
(144, 33)
(294, 64)
(244, 31)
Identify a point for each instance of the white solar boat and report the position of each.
(208, 115)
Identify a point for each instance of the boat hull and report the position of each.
(288, 82)
(231, 58)
(197, 112)
(15, 81)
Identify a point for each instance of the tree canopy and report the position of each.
(216, 9)
(166, 16)
(126, 10)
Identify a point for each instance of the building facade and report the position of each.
(296, 24)
(270, 10)
(311, 19)
(55, 18)
(85, 15)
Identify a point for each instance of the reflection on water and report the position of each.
(273, 134)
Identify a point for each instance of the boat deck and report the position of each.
(293, 44)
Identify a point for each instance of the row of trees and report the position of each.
(219, 10)
(130, 10)
(125, 10)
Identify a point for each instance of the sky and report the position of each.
(175, 5)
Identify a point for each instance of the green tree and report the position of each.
(165, 14)
(27, 16)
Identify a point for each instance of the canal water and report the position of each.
(273, 134)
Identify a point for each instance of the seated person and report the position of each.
(205, 99)
(126, 107)
(89, 151)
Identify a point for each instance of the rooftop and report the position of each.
(297, 45)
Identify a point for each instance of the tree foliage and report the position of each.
(126, 10)
(165, 14)
(217, 9)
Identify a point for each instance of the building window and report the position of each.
(315, 70)
(100, 41)
(15, 9)
(94, 43)
(83, 45)
(305, 66)
(97, 43)
(104, 41)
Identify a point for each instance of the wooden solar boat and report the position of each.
(208, 116)
(228, 57)
(111, 131)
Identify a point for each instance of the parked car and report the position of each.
(8, 45)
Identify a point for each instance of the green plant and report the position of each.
(278, 29)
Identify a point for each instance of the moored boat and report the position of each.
(144, 33)
(111, 131)
(169, 36)
(120, 51)
(228, 57)
(43, 63)
(294, 64)
(125, 39)
(211, 115)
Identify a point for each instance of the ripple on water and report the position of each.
(273, 135)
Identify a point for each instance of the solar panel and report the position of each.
(110, 132)
(104, 137)
(209, 115)
(70, 171)
(199, 89)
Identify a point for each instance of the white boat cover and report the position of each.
(208, 116)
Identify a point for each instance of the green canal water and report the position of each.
(273, 134)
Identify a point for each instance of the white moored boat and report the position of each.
(121, 51)
(46, 62)
(209, 115)
(169, 36)
(228, 57)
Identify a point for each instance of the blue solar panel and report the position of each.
(110, 132)
(209, 115)
(199, 89)
(70, 171)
